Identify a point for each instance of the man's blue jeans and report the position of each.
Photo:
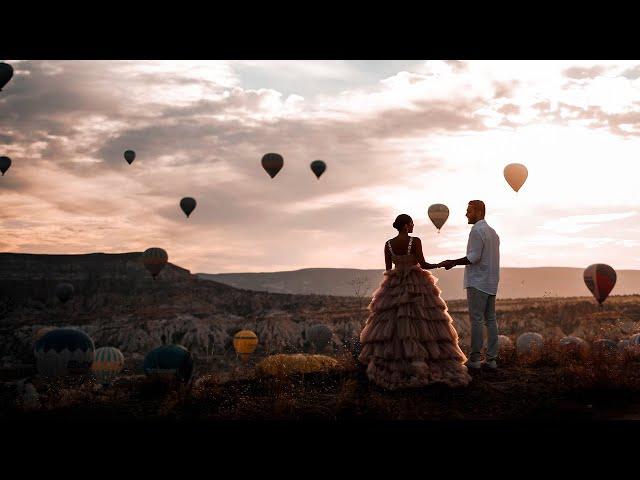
(482, 312)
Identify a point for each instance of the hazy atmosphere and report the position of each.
(397, 136)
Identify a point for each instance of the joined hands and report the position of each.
(446, 264)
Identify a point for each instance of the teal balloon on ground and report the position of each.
(169, 362)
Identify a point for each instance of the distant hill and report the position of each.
(514, 282)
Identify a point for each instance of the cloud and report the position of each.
(393, 142)
(582, 73)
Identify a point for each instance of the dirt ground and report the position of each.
(549, 390)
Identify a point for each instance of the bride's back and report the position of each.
(401, 251)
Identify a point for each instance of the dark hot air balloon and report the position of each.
(129, 156)
(319, 335)
(5, 163)
(438, 213)
(318, 167)
(600, 280)
(64, 351)
(169, 362)
(272, 163)
(187, 204)
(64, 292)
(6, 72)
(154, 260)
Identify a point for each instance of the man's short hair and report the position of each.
(479, 206)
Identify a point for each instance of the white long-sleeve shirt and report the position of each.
(483, 251)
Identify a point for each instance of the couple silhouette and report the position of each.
(409, 339)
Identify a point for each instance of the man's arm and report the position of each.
(474, 252)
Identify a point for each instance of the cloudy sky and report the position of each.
(397, 136)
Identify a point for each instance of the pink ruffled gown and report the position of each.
(409, 339)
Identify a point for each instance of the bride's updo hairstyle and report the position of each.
(401, 221)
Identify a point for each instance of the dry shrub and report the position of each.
(284, 365)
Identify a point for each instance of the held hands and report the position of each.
(447, 264)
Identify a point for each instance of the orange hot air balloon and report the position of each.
(438, 214)
(154, 260)
(600, 280)
(516, 174)
(245, 343)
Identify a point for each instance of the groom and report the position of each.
(481, 276)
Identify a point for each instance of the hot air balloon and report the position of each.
(272, 163)
(154, 260)
(600, 280)
(245, 343)
(6, 72)
(573, 348)
(516, 174)
(438, 213)
(505, 346)
(633, 346)
(529, 347)
(187, 204)
(319, 335)
(169, 362)
(129, 156)
(605, 349)
(64, 351)
(107, 363)
(64, 292)
(5, 163)
(318, 167)
(40, 333)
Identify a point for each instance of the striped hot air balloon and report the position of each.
(64, 351)
(154, 260)
(600, 280)
(245, 343)
(107, 363)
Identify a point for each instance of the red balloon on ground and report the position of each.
(600, 280)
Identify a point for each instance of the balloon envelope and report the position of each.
(318, 167)
(319, 335)
(529, 347)
(64, 292)
(438, 213)
(605, 349)
(6, 72)
(64, 351)
(154, 260)
(505, 346)
(5, 163)
(187, 204)
(169, 361)
(129, 156)
(600, 280)
(573, 348)
(107, 363)
(245, 342)
(272, 163)
(516, 174)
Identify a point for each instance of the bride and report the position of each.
(408, 339)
